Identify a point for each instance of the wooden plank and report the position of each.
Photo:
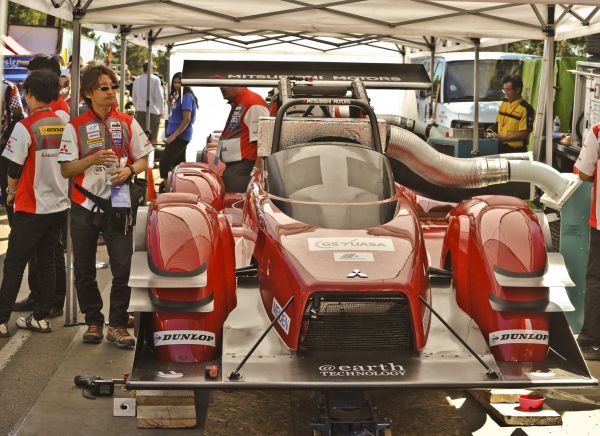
(509, 414)
(500, 395)
(166, 416)
(164, 398)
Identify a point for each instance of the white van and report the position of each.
(454, 73)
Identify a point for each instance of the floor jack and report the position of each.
(348, 413)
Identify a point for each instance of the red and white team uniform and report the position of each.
(588, 163)
(34, 143)
(87, 134)
(61, 108)
(241, 130)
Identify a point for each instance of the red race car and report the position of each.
(345, 278)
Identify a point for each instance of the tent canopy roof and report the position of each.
(330, 24)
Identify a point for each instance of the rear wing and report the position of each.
(265, 73)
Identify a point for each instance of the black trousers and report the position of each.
(120, 248)
(36, 286)
(3, 184)
(237, 175)
(590, 331)
(30, 233)
(173, 155)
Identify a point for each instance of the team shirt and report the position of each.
(241, 130)
(88, 134)
(61, 108)
(513, 117)
(588, 163)
(12, 109)
(34, 144)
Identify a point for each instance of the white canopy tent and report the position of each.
(326, 25)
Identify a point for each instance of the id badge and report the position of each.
(119, 195)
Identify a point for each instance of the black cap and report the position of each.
(42, 61)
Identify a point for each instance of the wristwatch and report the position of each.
(132, 171)
(10, 191)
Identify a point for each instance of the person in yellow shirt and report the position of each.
(515, 118)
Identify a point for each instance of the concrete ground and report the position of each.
(38, 397)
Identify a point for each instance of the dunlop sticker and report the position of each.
(501, 337)
(51, 130)
(184, 337)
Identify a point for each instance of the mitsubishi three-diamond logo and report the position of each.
(357, 273)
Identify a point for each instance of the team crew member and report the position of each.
(156, 100)
(45, 62)
(99, 138)
(587, 166)
(179, 131)
(10, 114)
(39, 194)
(515, 118)
(237, 145)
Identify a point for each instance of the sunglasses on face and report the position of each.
(105, 88)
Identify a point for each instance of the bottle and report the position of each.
(110, 170)
(556, 124)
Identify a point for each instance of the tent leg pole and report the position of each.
(475, 150)
(149, 72)
(549, 84)
(3, 30)
(124, 32)
(71, 307)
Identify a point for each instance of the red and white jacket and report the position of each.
(238, 140)
(88, 134)
(34, 144)
(588, 163)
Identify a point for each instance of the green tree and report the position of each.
(137, 55)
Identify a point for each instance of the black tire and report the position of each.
(592, 43)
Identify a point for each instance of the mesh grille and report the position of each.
(358, 322)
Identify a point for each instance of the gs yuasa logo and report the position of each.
(355, 244)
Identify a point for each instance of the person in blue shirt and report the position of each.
(182, 105)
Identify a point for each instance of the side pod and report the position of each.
(496, 250)
(187, 273)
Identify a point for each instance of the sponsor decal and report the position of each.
(184, 337)
(235, 117)
(377, 78)
(263, 76)
(49, 154)
(343, 101)
(361, 244)
(92, 128)
(95, 143)
(93, 135)
(117, 135)
(376, 370)
(426, 319)
(501, 337)
(284, 320)
(115, 125)
(64, 149)
(51, 130)
(8, 145)
(170, 374)
(99, 169)
(353, 257)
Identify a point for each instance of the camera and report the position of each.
(96, 385)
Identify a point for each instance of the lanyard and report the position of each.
(109, 132)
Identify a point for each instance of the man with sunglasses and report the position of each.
(515, 118)
(93, 141)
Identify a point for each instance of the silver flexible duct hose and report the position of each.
(441, 169)
(448, 171)
(419, 127)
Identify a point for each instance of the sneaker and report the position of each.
(93, 334)
(120, 337)
(591, 352)
(4, 333)
(24, 305)
(30, 323)
(55, 312)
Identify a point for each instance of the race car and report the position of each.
(328, 274)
